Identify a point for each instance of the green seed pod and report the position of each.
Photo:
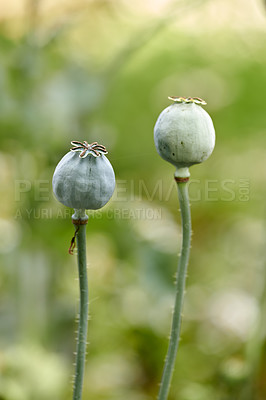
(184, 133)
(85, 180)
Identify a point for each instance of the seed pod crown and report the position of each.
(184, 133)
(84, 178)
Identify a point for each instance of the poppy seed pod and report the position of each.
(184, 133)
(85, 180)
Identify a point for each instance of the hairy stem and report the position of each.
(83, 312)
(180, 289)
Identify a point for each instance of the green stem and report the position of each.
(83, 312)
(180, 289)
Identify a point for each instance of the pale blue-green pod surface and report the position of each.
(184, 134)
(83, 183)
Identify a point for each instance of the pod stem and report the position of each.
(83, 308)
(182, 187)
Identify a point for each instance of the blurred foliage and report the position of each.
(102, 70)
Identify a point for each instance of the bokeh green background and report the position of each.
(102, 70)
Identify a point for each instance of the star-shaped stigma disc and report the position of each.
(85, 148)
(196, 100)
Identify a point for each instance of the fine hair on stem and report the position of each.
(180, 289)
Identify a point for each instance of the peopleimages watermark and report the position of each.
(131, 191)
(138, 190)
